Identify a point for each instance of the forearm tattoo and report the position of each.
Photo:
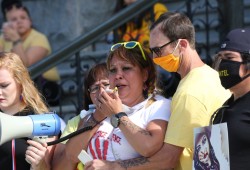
(133, 162)
(135, 128)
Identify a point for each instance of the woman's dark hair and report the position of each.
(135, 57)
(96, 73)
(7, 5)
(246, 60)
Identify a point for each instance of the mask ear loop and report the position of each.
(179, 56)
(176, 46)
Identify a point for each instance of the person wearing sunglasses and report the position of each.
(199, 94)
(233, 65)
(139, 128)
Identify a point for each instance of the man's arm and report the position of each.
(167, 158)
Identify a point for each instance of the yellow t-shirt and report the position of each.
(37, 39)
(71, 127)
(198, 95)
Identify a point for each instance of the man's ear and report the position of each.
(183, 43)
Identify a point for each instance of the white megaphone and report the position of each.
(12, 127)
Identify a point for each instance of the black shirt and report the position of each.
(237, 116)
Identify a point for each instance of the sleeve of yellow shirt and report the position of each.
(71, 127)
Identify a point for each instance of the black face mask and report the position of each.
(229, 73)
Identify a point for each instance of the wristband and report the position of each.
(17, 42)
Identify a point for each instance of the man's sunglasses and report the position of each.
(129, 45)
(157, 50)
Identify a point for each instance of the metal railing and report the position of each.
(90, 37)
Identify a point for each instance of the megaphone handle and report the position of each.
(40, 139)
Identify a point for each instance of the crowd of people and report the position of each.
(133, 126)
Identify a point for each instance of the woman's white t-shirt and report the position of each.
(110, 144)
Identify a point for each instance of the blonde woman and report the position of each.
(19, 97)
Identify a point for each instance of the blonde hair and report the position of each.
(31, 97)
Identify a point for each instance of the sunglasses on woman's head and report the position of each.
(129, 45)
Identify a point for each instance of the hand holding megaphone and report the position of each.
(38, 126)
